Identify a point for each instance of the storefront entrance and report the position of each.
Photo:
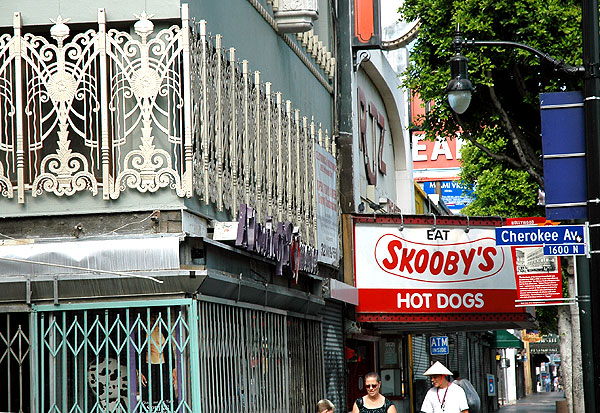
(360, 359)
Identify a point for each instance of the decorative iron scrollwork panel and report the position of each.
(71, 122)
(146, 96)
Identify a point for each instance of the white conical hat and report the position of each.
(437, 368)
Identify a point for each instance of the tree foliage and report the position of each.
(502, 125)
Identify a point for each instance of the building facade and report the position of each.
(169, 206)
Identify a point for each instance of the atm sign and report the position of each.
(439, 345)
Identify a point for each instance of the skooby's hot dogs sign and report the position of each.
(432, 270)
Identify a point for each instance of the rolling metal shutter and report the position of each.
(420, 354)
(333, 357)
(462, 355)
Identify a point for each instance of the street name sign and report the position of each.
(564, 249)
(548, 235)
(439, 345)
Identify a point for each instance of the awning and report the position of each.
(41, 269)
(398, 322)
(40, 260)
(504, 339)
(340, 291)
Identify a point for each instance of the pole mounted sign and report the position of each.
(491, 385)
(563, 147)
(552, 235)
(564, 250)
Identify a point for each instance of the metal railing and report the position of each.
(105, 110)
(252, 147)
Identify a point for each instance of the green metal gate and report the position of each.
(152, 356)
(100, 357)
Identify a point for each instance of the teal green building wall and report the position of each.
(38, 12)
(255, 40)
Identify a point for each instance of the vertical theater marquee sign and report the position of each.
(423, 265)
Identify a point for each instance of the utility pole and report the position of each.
(589, 281)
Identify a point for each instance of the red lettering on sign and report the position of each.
(441, 263)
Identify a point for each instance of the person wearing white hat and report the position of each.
(443, 397)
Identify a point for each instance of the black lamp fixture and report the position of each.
(459, 87)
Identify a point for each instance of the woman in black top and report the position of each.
(373, 401)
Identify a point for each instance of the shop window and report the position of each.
(393, 368)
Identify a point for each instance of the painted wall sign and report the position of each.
(422, 269)
(327, 206)
(435, 160)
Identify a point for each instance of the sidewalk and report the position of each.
(535, 403)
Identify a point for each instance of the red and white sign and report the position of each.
(435, 160)
(432, 270)
(538, 276)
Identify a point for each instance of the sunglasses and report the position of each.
(370, 386)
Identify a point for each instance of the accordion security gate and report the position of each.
(99, 357)
(255, 360)
(122, 357)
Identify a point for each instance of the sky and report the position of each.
(389, 13)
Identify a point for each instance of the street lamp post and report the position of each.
(459, 91)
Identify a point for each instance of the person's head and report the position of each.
(438, 374)
(438, 380)
(325, 406)
(372, 383)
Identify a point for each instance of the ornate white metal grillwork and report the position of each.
(251, 147)
(146, 92)
(107, 111)
(73, 112)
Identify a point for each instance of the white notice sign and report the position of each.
(327, 206)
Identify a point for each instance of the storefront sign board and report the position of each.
(424, 269)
